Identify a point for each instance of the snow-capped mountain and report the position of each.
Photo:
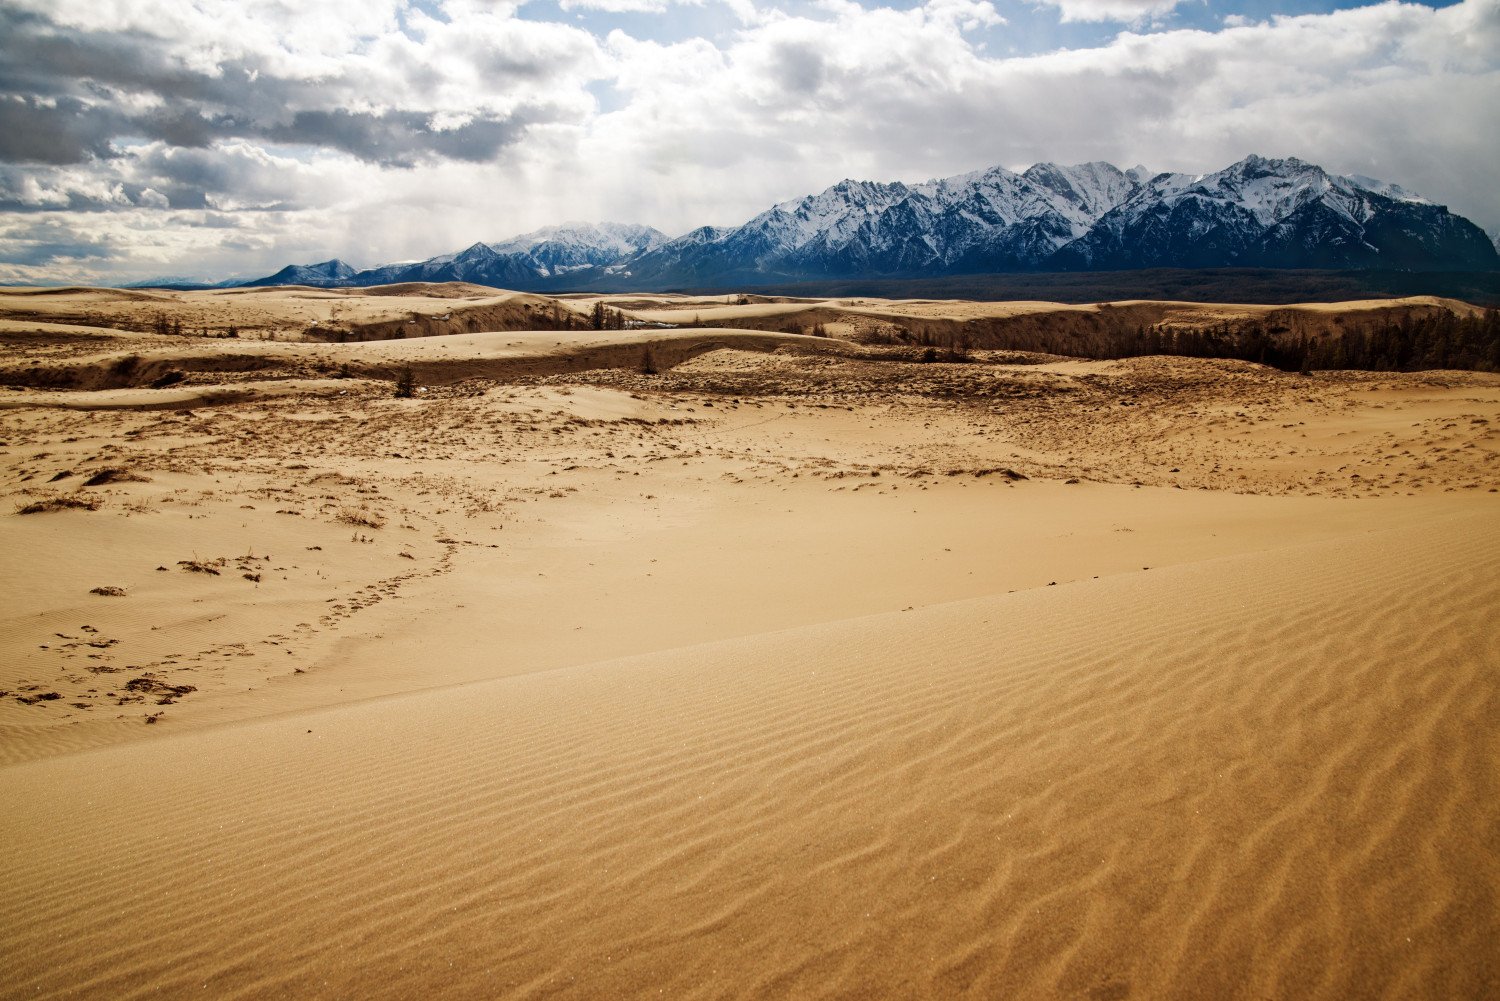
(560, 249)
(989, 220)
(327, 273)
(1267, 213)
(480, 264)
(520, 262)
(1280, 214)
(1092, 216)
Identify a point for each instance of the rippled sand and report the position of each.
(767, 676)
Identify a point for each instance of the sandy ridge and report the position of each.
(439, 361)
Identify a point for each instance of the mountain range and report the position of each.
(1259, 212)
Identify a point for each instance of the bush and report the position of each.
(648, 361)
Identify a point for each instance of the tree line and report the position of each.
(604, 318)
(1412, 343)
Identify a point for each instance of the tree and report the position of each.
(406, 383)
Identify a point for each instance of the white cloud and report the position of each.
(626, 6)
(1127, 11)
(503, 133)
(1397, 91)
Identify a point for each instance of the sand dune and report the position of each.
(101, 365)
(794, 667)
(294, 313)
(997, 324)
(1257, 776)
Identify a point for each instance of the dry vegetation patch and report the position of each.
(115, 474)
(361, 517)
(49, 504)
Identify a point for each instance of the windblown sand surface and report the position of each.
(791, 670)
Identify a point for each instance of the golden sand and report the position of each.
(788, 671)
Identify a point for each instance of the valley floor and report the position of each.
(785, 671)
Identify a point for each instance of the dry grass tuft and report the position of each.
(59, 504)
(361, 516)
(115, 474)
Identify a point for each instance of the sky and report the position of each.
(206, 139)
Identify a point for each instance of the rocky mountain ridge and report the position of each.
(1259, 212)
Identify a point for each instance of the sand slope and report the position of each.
(1266, 775)
(760, 666)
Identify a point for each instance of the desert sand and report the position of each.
(796, 667)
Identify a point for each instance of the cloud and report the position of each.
(75, 83)
(61, 130)
(1127, 11)
(1396, 91)
(625, 6)
(165, 126)
(49, 242)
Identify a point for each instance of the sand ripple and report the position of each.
(1259, 776)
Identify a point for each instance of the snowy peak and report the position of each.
(1094, 187)
(332, 269)
(1277, 212)
(582, 243)
(832, 215)
(474, 253)
(1268, 189)
(846, 196)
(325, 273)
